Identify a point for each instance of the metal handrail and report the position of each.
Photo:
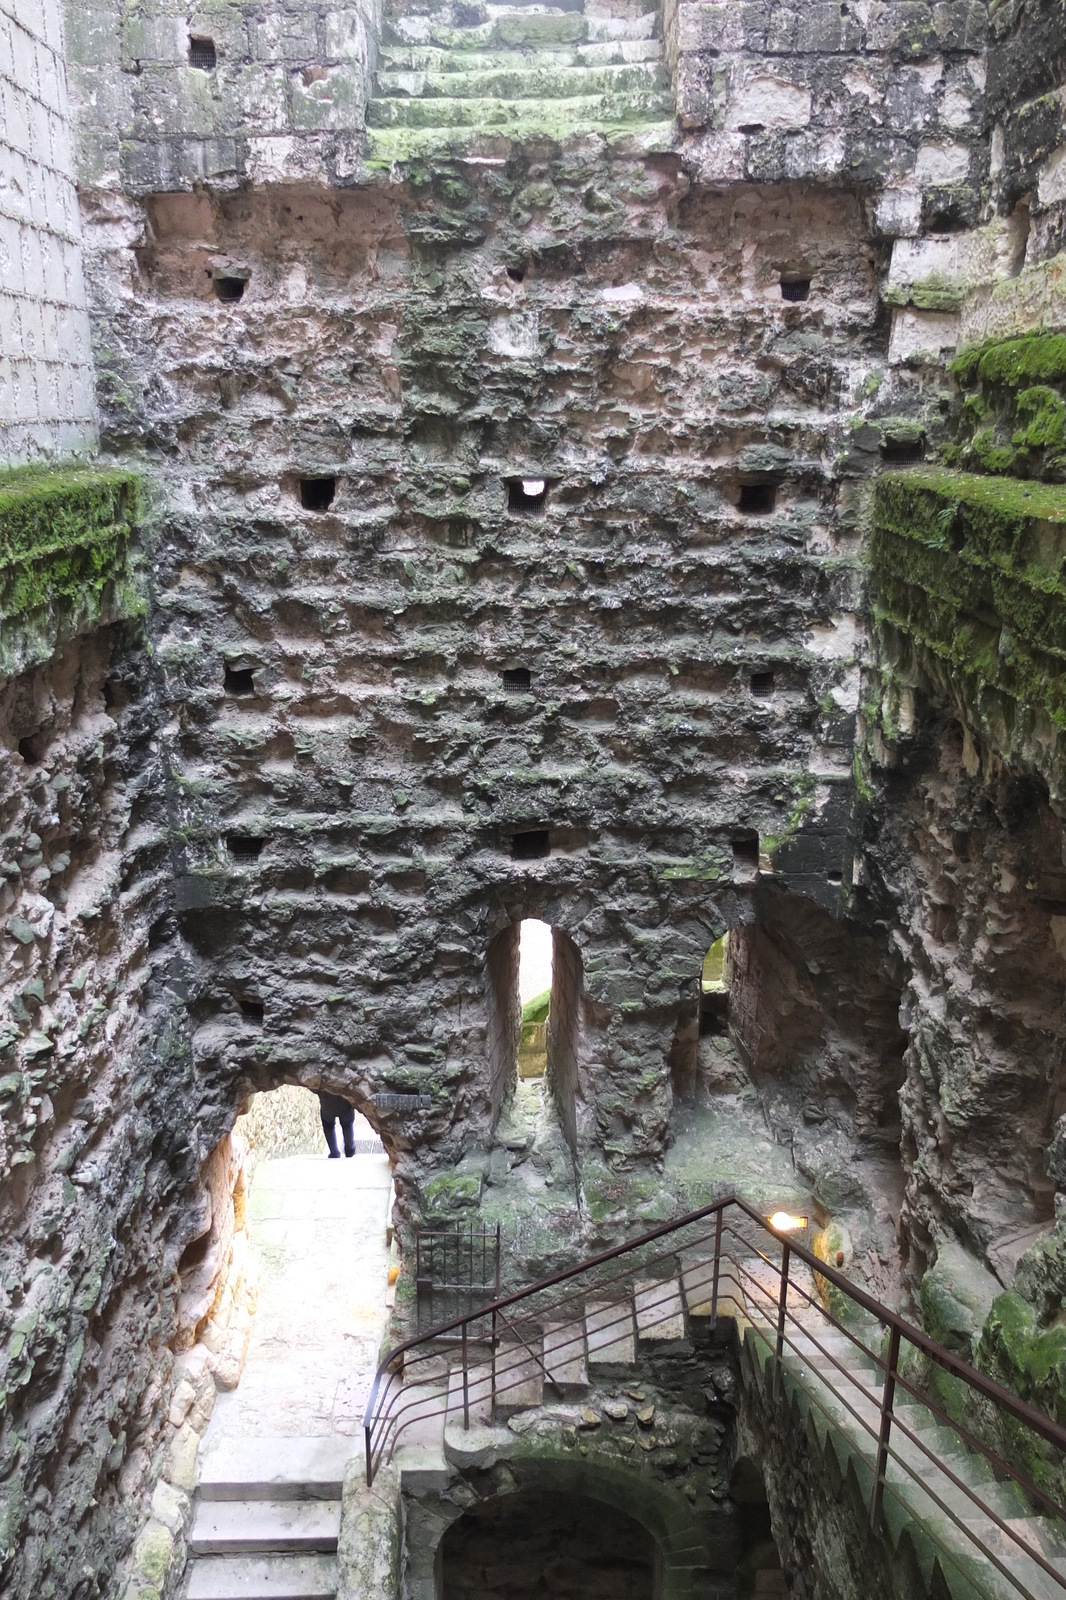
(384, 1419)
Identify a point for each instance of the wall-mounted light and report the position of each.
(785, 1222)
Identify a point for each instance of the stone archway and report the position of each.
(686, 1561)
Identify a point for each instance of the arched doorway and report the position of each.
(541, 1543)
(535, 1018)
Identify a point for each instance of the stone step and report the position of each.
(476, 1444)
(424, 58)
(697, 1282)
(262, 1578)
(276, 1469)
(518, 29)
(478, 1393)
(519, 1376)
(386, 146)
(609, 1332)
(516, 82)
(660, 1314)
(418, 1445)
(501, 116)
(250, 1527)
(564, 1358)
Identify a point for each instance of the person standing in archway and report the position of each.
(333, 1109)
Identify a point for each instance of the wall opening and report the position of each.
(527, 495)
(316, 494)
(538, 1543)
(530, 845)
(239, 680)
(903, 452)
(795, 289)
(535, 999)
(202, 53)
(762, 685)
(245, 848)
(226, 287)
(745, 854)
(756, 499)
(535, 965)
(517, 680)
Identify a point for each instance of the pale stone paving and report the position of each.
(318, 1227)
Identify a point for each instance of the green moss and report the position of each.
(536, 1010)
(64, 544)
(1012, 363)
(1044, 414)
(965, 572)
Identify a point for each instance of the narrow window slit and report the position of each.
(795, 289)
(762, 685)
(245, 848)
(527, 495)
(316, 494)
(202, 54)
(240, 680)
(517, 680)
(757, 498)
(530, 845)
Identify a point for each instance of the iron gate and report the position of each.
(455, 1272)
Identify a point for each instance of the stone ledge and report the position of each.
(65, 539)
(968, 590)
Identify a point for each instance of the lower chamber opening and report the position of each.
(547, 1545)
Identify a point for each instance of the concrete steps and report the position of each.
(503, 115)
(427, 59)
(266, 1520)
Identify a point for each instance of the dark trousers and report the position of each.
(345, 1115)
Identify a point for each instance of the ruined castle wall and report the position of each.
(47, 406)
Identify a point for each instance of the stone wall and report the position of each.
(47, 407)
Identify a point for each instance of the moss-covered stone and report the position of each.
(64, 556)
(969, 588)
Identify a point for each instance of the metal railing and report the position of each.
(729, 1259)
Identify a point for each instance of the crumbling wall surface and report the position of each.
(891, 94)
(349, 773)
(96, 1098)
(1026, 79)
(169, 97)
(47, 405)
(975, 861)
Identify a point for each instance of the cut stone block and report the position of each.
(263, 1578)
(564, 1358)
(609, 1330)
(231, 1527)
(519, 1377)
(276, 1469)
(660, 1314)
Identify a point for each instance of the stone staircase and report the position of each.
(830, 1377)
(514, 72)
(267, 1519)
(836, 1385)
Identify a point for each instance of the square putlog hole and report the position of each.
(795, 289)
(245, 848)
(903, 452)
(517, 680)
(762, 685)
(316, 494)
(746, 852)
(202, 54)
(756, 499)
(239, 680)
(530, 845)
(228, 289)
(527, 496)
